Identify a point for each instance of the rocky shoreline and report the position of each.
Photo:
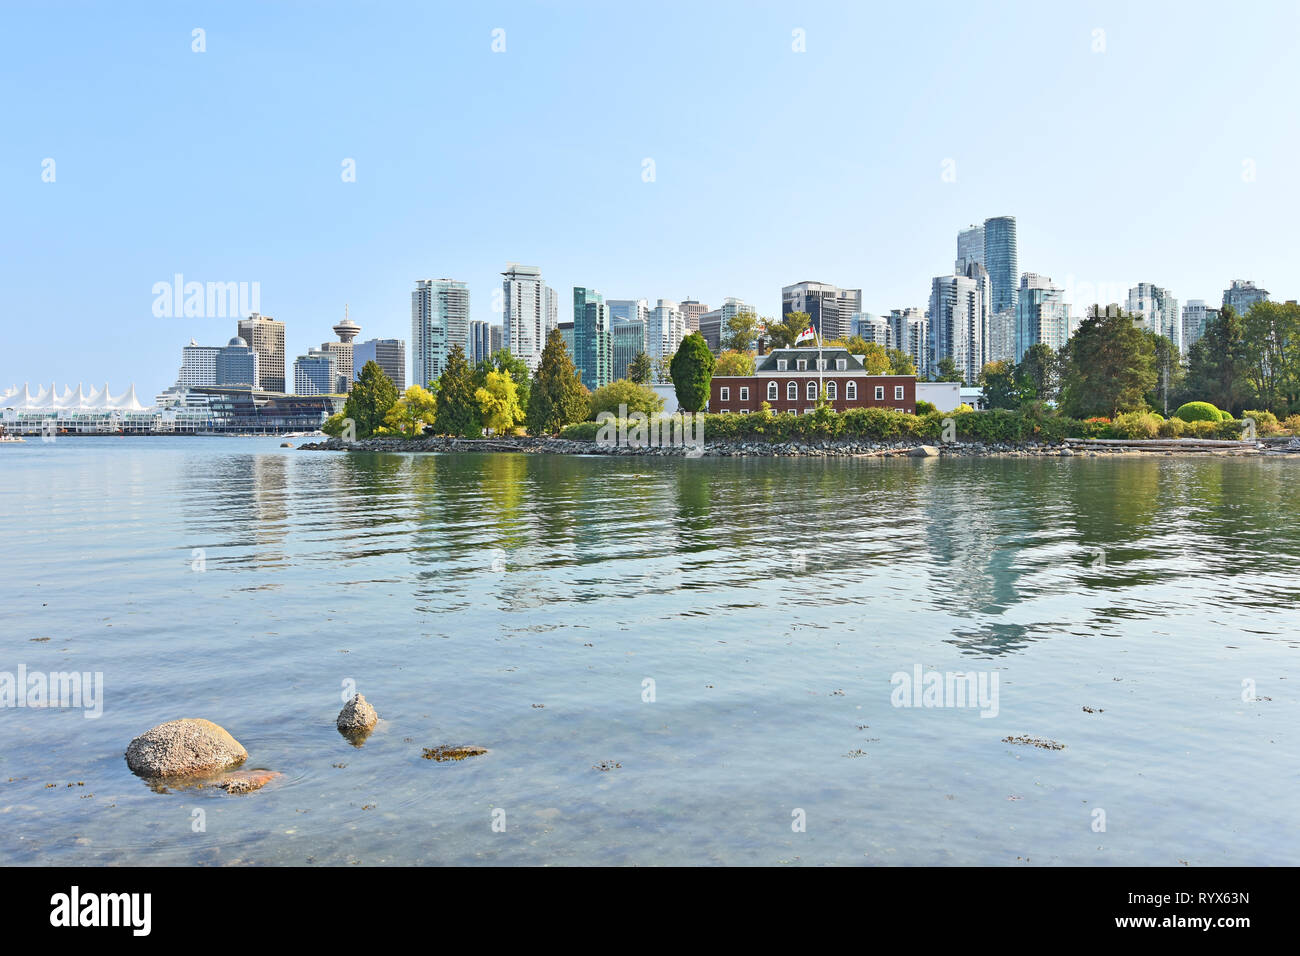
(820, 448)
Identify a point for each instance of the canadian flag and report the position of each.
(806, 334)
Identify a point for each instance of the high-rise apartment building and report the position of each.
(629, 342)
(439, 322)
(1242, 294)
(593, 342)
(265, 336)
(1042, 316)
(908, 328)
(1002, 262)
(480, 341)
(1159, 310)
(388, 354)
(828, 306)
(1196, 316)
(715, 325)
(872, 328)
(530, 308)
(665, 329)
(958, 324)
(970, 249)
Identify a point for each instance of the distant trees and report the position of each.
(782, 334)
(640, 369)
(372, 395)
(734, 363)
(741, 331)
(691, 371)
(1271, 333)
(557, 397)
(1218, 364)
(623, 392)
(1107, 367)
(946, 370)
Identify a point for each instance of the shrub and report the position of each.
(1198, 412)
(1293, 424)
(1136, 425)
(1266, 422)
(925, 408)
(1225, 416)
(637, 398)
(1173, 428)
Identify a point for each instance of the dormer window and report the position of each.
(803, 365)
(841, 365)
(781, 364)
(821, 365)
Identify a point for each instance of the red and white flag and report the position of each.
(806, 334)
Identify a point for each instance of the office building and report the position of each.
(593, 341)
(629, 342)
(316, 373)
(970, 249)
(958, 322)
(1196, 318)
(1042, 317)
(1242, 294)
(439, 322)
(347, 330)
(388, 354)
(198, 364)
(238, 364)
(829, 307)
(691, 311)
(265, 336)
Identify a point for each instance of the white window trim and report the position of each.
(773, 392)
(880, 393)
(851, 392)
(898, 393)
(724, 394)
(744, 393)
(841, 365)
(801, 365)
(831, 391)
(781, 364)
(793, 387)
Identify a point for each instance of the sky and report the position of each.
(844, 143)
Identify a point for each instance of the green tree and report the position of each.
(741, 331)
(458, 409)
(1038, 373)
(412, 412)
(782, 334)
(900, 363)
(640, 369)
(1271, 331)
(503, 360)
(1109, 366)
(1001, 385)
(875, 359)
(557, 397)
(734, 363)
(1217, 365)
(691, 370)
(498, 402)
(1168, 366)
(946, 370)
(372, 395)
(637, 398)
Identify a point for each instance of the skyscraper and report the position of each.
(593, 342)
(691, 311)
(629, 341)
(439, 322)
(959, 312)
(265, 336)
(198, 365)
(908, 329)
(872, 328)
(970, 249)
(1242, 294)
(1196, 316)
(828, 306)
(1159, 311)
(1002, 261)
(1042, 316)
(388, 354)
(530, 309)
(665, 329)
(480, 341)
(316, 373)
(238, 364)
(715, 325)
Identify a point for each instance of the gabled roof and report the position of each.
(767, 363)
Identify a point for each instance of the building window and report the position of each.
(898, 393)
(880, 393)
(809, 411)
(724, 394)
(812, 391)
(830, 391)
(772, 392)
(781, 364)
(723, 411)
(744, 393)
(851, 391)
(802, 365)
(744, 411)
(898, 409)
(792, 391)
(841, 365)
(821, 365)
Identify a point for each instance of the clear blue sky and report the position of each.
(771, 166)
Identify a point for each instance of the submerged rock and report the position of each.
(184, 747)
(1040, 742)
(357, 718)
(246, 781)
(452, 753)
(924, 451)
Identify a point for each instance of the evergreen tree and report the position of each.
(458, 409)
(372, 395)
(691, 371)
(640, 369)
(1109, 367)
(557, 396)
(1217, 365)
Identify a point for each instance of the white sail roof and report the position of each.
(72, 400)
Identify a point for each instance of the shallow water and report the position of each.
(520, 602)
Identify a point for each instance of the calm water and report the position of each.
(519, 603)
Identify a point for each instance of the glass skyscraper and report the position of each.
(1002, 262)
(593, 343)
(439, 322)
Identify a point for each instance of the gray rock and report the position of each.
(184, 748)
(356, 717)
(924, 451)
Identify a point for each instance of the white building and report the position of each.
(530, 311)
(1159, 311)
(1196, 316)
(198, 364)
(959, 319)
(872, 328)
(439, 322)
(665, 329)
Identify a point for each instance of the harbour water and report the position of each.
(723, 637)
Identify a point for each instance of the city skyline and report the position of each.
(875, 212)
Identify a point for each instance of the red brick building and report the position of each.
(788, 380)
